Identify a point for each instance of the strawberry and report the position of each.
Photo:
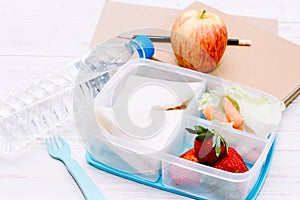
(209, 146)
(232, 162)
(190, 155)
(182, 176)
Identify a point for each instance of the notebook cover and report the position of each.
(269, 64)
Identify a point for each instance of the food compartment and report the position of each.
(125, 156)
(203, 181)
(139, 114)
(239, 106)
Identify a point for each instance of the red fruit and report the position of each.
(190, 155)
(182, 176)
(199, 40)
(233, 162)
(209, 146)
(206, 153)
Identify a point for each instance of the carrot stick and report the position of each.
(211, 113)
(232, 113)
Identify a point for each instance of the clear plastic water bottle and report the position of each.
(32, 111)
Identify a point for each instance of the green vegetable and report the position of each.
(260, 114)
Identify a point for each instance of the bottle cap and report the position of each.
(143, 45)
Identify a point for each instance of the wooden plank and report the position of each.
(20, 71)
(72, 10)
(45, 38)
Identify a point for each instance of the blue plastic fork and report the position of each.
(60, 150)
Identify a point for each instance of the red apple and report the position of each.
(199, 40)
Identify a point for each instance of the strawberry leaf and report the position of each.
(218, 146)
(223, 141)
(201, 137)
(192, 131)
(200, 129)
(214, 141)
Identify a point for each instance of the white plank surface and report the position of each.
(39, 35)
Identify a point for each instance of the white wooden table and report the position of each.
(38, 35)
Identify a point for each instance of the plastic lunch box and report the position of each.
(154, 167)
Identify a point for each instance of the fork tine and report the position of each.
(58, 142)
(48, 144)
(62, 140)
(53, 143)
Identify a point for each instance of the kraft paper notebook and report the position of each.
(270, 64)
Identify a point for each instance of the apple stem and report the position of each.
(202, 14)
